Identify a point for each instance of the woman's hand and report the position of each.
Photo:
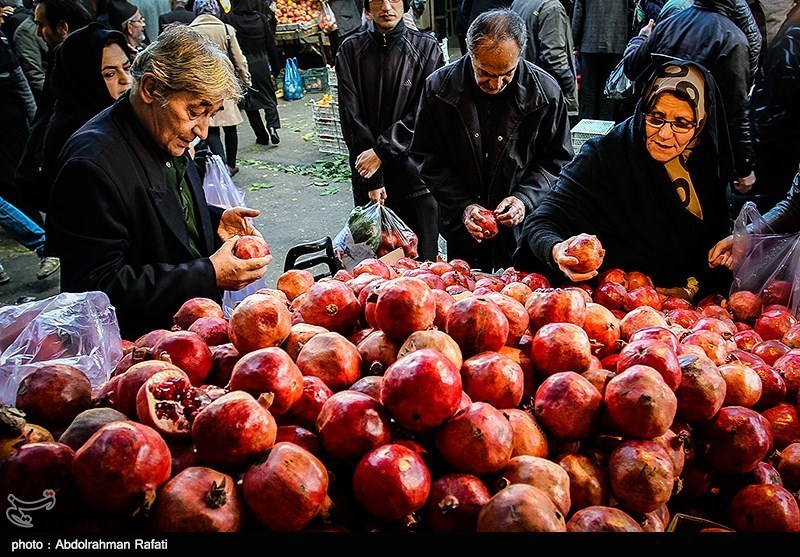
(565, 262)
(722, 253)
(237, 221)
(233, 273)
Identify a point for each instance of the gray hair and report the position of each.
(183, 59)
(495, 26)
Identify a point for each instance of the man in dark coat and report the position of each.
(704, 33)
(491, 133)
(179, 14)
(381, 72)
(128, 215)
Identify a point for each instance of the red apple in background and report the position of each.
(250, 246)
(589, 252)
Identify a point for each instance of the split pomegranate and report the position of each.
(168, 403)
(127, 385)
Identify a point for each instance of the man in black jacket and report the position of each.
(491, 134)
(704, 33)
(179, 14)
(381, 71)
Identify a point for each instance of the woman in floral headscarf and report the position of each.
(652, 191)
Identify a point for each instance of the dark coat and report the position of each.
(533, 144)
(178, 15)
(118, 226)
(705, 34)
(257, 40)
(614, 189)
(380, 81)
(348, 16)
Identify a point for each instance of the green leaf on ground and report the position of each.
(330, 191)
(255, 186)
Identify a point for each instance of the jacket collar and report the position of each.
(386, 39)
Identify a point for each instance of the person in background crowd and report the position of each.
(460, 24)
(652, 190)
(31, 51)
(704, 33)
(349, 20)
(257, 41)
(599, 32)
(550, 47)
(775, 117)
(15, 13)
(151, 10)
(226, 120)
(769, 16)
(128, 214)
(491, 133)
(126, 18)
(17, 109)
(91, 69)
(55, 20)
(178, 14)
(381, 72)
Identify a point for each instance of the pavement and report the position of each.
(297, 205)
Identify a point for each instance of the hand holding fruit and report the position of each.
(579, 257)
(722, 253)
(237, 221)
(510, 211)
(234, 273)
(479, 222)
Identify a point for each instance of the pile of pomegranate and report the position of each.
(426, 396)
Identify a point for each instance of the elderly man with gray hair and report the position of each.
(491, 136)
(128, 216)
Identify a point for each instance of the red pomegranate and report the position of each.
(639, 403)
(788, 365)
(268, 370)
(198, 499)
(777, 292)
(702, 389)
(589, 252)
(53, 394)
(658, 333)
(641, 296)
(567, 406)
(745, 306)
(294, 282)
(350, 424)
(788, 466)
(300, 436)
(742, 384)
(542, 473)
(711, 342)
(770, 351)
(773, 386)
(259, 321)
(477, 324)
(250, 246)
(422, 390)
(637, 279)
(764, 508)
(783, 424)
(299, 333)
(602, 519)
(391, 482)
(747, 339)
(791, 337)
(529, 438)
(602, 327)
(639, 318)
(493, 378)
(641, 475)
(286, 489)
(774, 323)
(121, 467)
(190, 311)
(535, 280)
(444, 301)
(404, 305)
(529, 380)
(213, 330)
(681, 317)
(378, 352)
(126, 386)
(738, 438)
(454, 503)
(373, 266)
(305, 409)
(330, 304)
(233, 431)
(555, 305)
(519, 291)
(168, 403)
(609, 295)
(654, 353)
(516, 314)
(588, 480)
(558, 347)
(477, 440)
(435, 340)
(369, 385)
(189, 352)
(223, 358)
(520, 508)
(332, 358)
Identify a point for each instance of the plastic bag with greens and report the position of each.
(360, 237)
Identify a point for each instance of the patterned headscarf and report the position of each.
(201, 7)
(687, 83)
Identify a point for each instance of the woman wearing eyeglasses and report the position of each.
(652, 191)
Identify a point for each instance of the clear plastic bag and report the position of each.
(373, 230)
(618, 86)
(78, 329)
(327, 19)
(765, 263)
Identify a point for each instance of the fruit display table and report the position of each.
(307, 35)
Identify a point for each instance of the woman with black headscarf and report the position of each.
(257, 40)
(91, 70)
(652, 191)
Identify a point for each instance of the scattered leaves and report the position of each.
(255, 186)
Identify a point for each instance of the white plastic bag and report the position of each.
(79, 329)
(221, 191)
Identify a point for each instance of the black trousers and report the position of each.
(595, 69)
(214, 141)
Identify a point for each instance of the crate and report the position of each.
(332, 81)
(329, 111)
(315, 79)
(332, 144)
(587, 129)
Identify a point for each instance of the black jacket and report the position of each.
(614, 189)
(118, 226)
(704, 34)
(178, 15)
(532, 144)
(380, 81)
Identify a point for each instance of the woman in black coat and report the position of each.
(652, 191)
(257, 39)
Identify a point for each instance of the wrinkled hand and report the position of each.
(647, 29)
(233, 273)
(565, 262)
(744, 185)
(237, 221)
(473, 221)
(722, 253)
(367, 163)
(510, 211)
(378, 196)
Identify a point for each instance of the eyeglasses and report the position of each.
(678, 126)
(140, 20)
(380, 2)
